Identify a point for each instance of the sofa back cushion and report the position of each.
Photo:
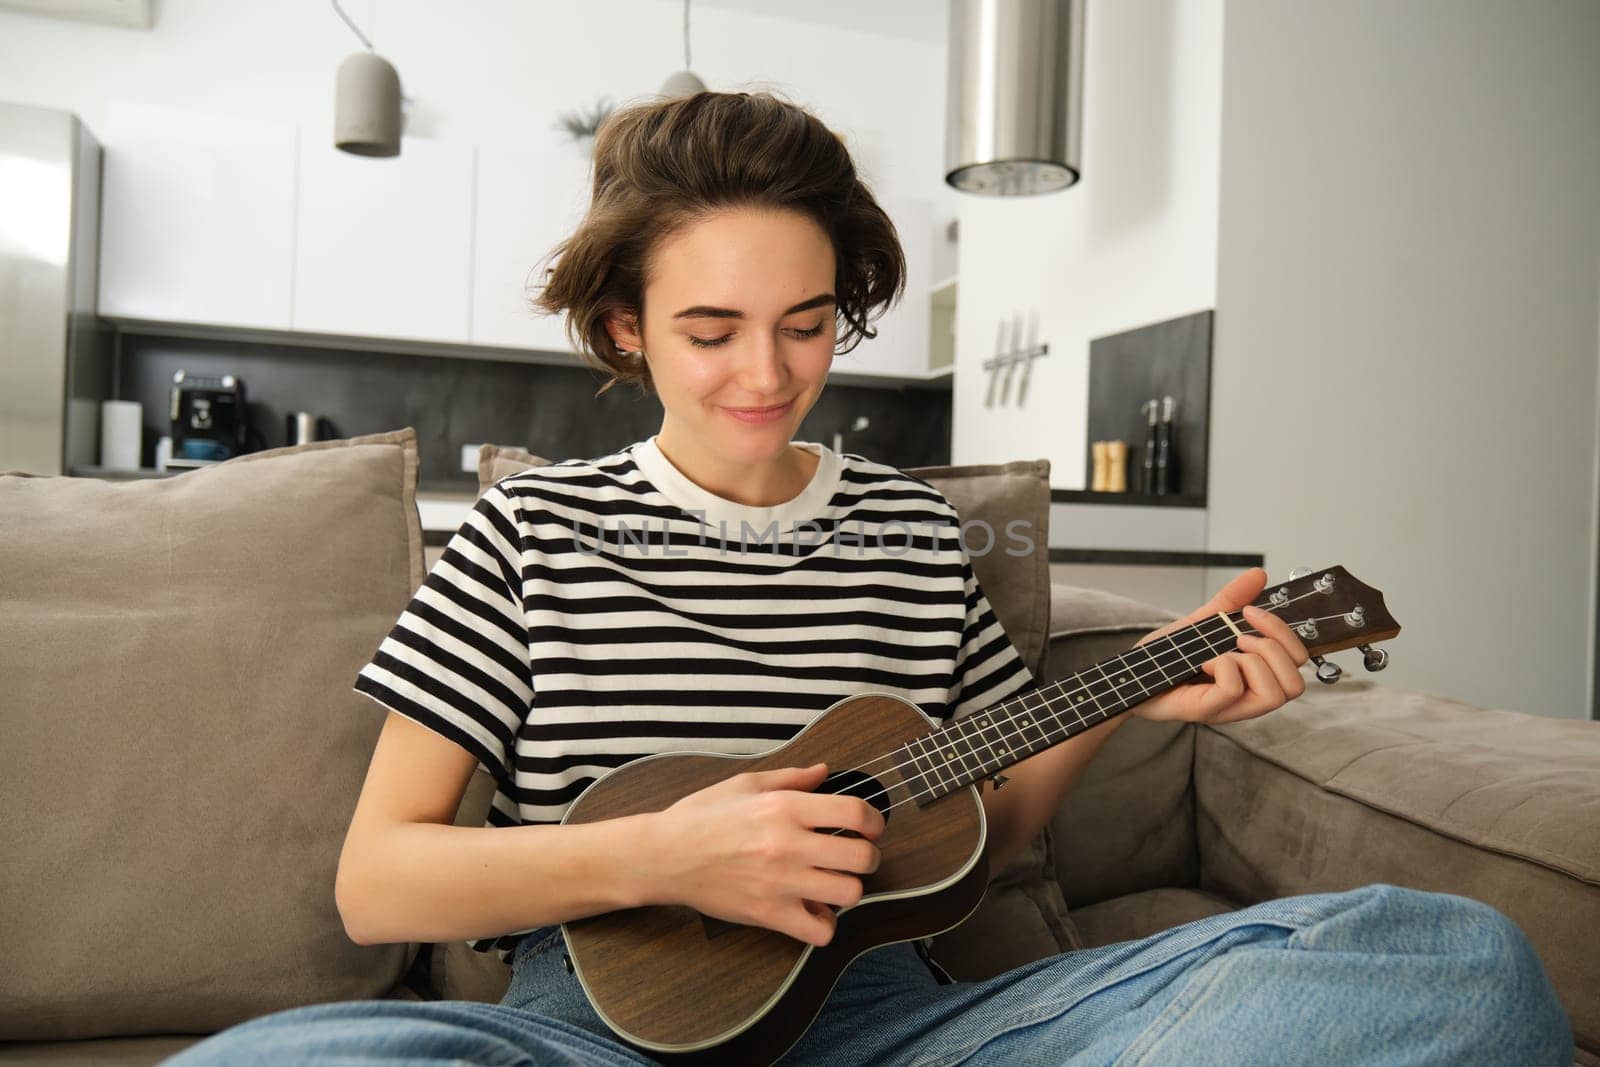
(183, 746)
(1128, 824)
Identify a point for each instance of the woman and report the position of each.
(727, 239)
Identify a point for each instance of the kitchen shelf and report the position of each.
(1157, 557)
(1144, 500)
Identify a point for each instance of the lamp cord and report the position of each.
(352, 25)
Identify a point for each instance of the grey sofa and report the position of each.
(186, 754)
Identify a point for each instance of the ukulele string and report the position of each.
(960, 726)
(1067, 727)
(1208, 621)
(933, 792)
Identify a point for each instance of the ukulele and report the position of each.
(685, 987)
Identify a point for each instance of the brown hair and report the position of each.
(664, 164)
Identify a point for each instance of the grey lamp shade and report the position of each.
(682, 83)
(366, 118)
(1014, 112)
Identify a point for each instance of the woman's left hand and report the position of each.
(1264, 674)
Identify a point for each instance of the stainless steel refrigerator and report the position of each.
(55, 355)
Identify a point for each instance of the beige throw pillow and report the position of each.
(183, 749)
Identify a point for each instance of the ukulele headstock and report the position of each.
(1330, 610)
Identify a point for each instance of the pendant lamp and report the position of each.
(366, 117)
(685, 82)
(1014, 106)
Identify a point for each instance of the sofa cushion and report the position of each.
(183, 746)
(1360, 782)
(1127, 824)
(1136, 916)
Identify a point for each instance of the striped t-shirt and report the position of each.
(593, 611)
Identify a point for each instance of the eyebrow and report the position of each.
(702, 311)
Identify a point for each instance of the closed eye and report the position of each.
(715, 342)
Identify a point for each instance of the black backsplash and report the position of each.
(450, 401)
(1164, 358)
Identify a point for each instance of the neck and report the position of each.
(757, 483)
(984, 743)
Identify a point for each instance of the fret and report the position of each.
(1145, 648)
(1026, 719)
(948, 742)
(1171, 641)
(965, 751)
(990, 730)
(1118, 701)
(924, 787)
(1180, 669)
(1082, 698)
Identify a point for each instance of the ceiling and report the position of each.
(918, 20)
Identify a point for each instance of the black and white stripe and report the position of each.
(553, 655)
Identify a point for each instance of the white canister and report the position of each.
(121, 423)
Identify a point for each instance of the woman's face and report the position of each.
(739, 314)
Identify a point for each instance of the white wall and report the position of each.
(1133, 242)
(495, 72)
(1407, 283)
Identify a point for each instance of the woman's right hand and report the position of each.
(746, 850)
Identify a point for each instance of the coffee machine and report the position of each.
(209, 418)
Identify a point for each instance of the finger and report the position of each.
(1271, 625)
(807, 920)
(852, 854)
(812, 925)
(1228, 685)
(1265, 692)
(829, 887)
(786, 777)
(837, 810)
(1283, 668)
(1241, 589)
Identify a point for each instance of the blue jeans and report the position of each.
(1375, 975)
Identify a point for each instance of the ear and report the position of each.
(623, 329)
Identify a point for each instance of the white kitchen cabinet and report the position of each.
(197, 217)
(901, 347)
(527, 202)
(383, 246)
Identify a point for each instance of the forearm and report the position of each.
(1035, 788)
(435, 882)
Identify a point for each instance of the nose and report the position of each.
(761, 369)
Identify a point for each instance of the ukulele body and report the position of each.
(684, 987)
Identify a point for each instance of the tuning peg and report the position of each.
(1374, 659)
(1328, 671)
(1298, 571)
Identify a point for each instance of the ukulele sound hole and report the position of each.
(848, 783)
(856, 784)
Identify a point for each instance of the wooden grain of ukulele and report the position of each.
(684, 987)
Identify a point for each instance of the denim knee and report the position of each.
(1507, 976)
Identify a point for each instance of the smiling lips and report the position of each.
(759, 414)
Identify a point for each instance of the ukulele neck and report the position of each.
(984, 743)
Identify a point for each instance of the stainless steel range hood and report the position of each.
(1014, 107)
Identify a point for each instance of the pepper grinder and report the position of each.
(1147, 463)
(1164, 457)
(1117, 466)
